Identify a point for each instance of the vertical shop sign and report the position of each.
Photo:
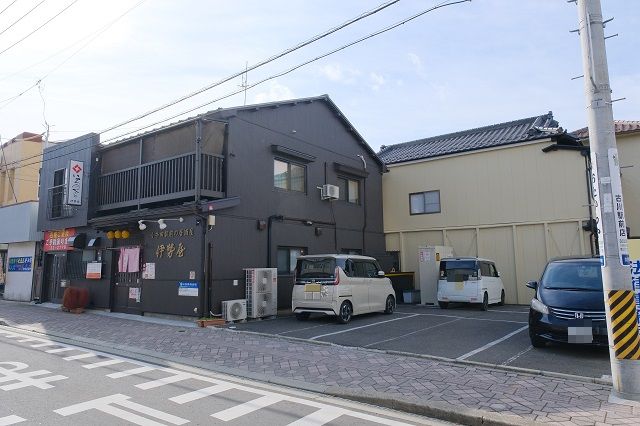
(634, 251)
(74, 189)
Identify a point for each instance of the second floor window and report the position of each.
(424, 202)
(349, 190)
(289, 176)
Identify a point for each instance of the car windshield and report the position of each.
(573, 276)
(458, 270)
(316, 268)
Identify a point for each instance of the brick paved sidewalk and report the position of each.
(345, 370)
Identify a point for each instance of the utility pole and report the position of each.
(622, 320)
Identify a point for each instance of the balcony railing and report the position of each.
(56, 203)
(162, 180)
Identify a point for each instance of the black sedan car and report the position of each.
(569, 303)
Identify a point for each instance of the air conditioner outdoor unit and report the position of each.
(329, 192)
(234, 310)
(262, 292)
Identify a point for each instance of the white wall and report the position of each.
(18, 284)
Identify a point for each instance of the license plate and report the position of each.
(580, 331)
(313, 288)
(460, 286)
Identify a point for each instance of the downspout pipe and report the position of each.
(364, 204)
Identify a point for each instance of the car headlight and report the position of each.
(537, 305)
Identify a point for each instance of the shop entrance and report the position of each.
(54, 274)
(127, 278)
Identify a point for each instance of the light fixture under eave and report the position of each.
(141, 225)
(161, 224)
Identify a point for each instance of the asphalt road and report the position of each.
(498, 336)
(45, 382)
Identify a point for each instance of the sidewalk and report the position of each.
(459, 393)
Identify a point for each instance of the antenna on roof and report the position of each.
(244, 84)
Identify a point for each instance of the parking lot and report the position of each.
(498, 336)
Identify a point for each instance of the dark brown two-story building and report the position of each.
(167, 221)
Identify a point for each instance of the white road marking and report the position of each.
(178, 376)
(81, 356)
(147, 411)
(362, 326)
(319, 417)
(510, 312)
(102, 364)
(409, 334)
(201, 393)
(302, 329)
(248, 407)
(131, 372)
(30, 339)
(42, 345)
(26, 379)
(467, 318)
(518, 355)
(490, 344)
(57, 351)
(11, 420)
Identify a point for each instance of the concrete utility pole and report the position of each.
(622, 320)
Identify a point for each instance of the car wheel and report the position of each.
(302, 316)
(501, 299)
(390, 305)
(443, 305)
(536, 341)
(345, 312)
(485, 302)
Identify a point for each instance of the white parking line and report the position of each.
(247, 407)
(302, 329)
(409, 334)
(102, 364)
(11, 420)
(488, 345)
(131, 372)
(362, 326)
(81, 356)
(57, 351)
(201, 393)
(518, 355)
(510, 312)
(465, 318)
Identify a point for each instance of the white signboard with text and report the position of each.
(74, 183)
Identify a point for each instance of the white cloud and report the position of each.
(417, 64)
(377, 81)
(275, 92)
(339, 74)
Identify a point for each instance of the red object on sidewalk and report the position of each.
(75, 298)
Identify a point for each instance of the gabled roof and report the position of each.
(232, 110)
(621, 126)
(512, 132)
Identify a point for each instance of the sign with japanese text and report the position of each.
(94, 270)
(74, 184)
(149, 271)
(186, 232)
(58, 240)
(187, 288)
(170, 250)
(634, 251)
(616, 192)
(20, 264)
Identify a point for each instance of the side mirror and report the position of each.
(532, 284)
(380, 274)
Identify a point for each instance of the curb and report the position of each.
(440, 411)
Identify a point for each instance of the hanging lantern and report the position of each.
(117, 234)
(125, 234)
(110, 235)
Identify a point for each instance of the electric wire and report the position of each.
(87, 41)
(40, 27)
(386, 29)
(8, 6)
(20, 18)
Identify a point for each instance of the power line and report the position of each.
(259, 64)
(22, 17)
(10, 4)
(92, 37)
(40, 27)
(371, 35)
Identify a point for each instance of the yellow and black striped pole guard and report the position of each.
(624, 322)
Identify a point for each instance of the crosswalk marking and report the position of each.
(248, 407)
(319, 417)
(11, 420)
(81, 356)
(57, 351)
(103, 364)
(131, 372)
(200, 393)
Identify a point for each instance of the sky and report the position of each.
(459, 67)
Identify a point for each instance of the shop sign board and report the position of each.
(58, 240)
(186, 288)
(74, 190)
(94, 270)
(149, 271)
(634, 251)
(20, 264)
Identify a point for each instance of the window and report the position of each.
(287, 257)
(57, 194)
(289, 176)
(425, 202)
(485, 269)
(349, 190)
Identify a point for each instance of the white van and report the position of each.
(342, 285)
(469, 280)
